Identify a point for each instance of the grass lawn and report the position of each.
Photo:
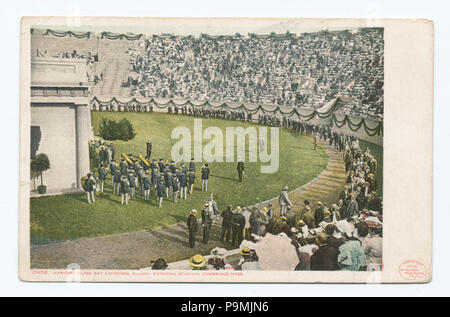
(70, 216)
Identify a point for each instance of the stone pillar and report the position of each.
(83, 131)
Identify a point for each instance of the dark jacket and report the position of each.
(238, 221)
(325, 259)
(206, 217)
(319, 215)
(308, 219)
(102, 173)
(227, 214)
(291, 218)
(205, 173)
(352, 209)
(192, 223)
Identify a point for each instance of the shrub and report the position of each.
(113, 130)
(93, 157)
(40, 164)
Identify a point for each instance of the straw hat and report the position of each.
(245, 251)
(197, 261)
(194, 211)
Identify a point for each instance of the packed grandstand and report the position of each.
(294, 70)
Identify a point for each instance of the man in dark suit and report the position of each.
(319, 214)
(240, 169)
(149, 149)
(226, 224)
(207, 220)
(192, 226)
(161, 165)
(205, 177)
(352, 208)
(326, 258)
(237, 227)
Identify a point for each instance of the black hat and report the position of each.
(159, 264)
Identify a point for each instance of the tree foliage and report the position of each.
(116, 130)
(40, 164)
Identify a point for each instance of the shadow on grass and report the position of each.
(161, 235)
(183, 234)
(179, 218)
(224, 177)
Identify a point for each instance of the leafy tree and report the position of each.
(113, 130)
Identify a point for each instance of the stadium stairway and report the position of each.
(326, 187)
(116, 67)
(135, 250)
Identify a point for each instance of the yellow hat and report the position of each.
(238, 208)
(245, 251)
(265, 209)
(327, 212)
(319, 202)
(301, 223)
(370, 175)
(283, 218)
(206, 205)
(197, 261)
(194, 211)
(346, 186)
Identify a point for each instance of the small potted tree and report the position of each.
(40, 164)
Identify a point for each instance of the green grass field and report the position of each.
(70, 216)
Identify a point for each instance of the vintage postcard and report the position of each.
(226, 150)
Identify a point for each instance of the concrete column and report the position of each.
(83, 131)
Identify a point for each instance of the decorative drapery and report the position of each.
(129, 105)
(68, 33)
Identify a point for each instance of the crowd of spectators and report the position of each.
(308, 69)
(344, 235)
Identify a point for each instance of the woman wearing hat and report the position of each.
(159, 264)
(198, 262)
(249, 260)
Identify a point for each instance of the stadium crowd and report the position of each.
(308, 69)
(346, 235)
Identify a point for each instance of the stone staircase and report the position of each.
(116, 67)
(113, 62)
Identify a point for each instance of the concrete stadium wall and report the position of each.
(58, 140)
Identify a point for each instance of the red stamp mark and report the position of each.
(412, 270)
